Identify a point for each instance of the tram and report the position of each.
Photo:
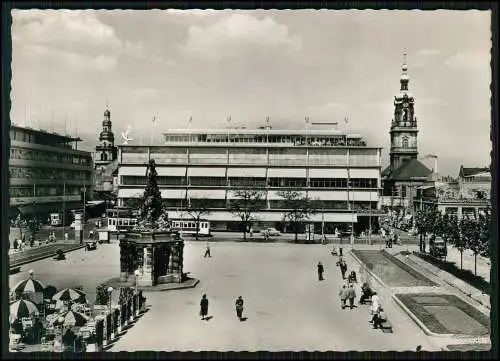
(188, 226)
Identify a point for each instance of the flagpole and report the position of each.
(228, 127)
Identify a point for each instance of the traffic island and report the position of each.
(444, 314)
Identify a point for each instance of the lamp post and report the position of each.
(110, 325)
(137, 273)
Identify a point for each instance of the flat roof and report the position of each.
(309, 132)
(55, 135)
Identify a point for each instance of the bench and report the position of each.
(385, 325)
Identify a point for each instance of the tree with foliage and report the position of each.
(474, 238)
(484, 233)
(247, 200)
(34, 225)
(445, 230)
(420, 225)
(197, 209)
(298, 208)
(459, 240)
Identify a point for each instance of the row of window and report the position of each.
(243, 181)
(273, 204)
(52, 157)
(262, 138)
(42, 173)
(43, 191)
(37, 138)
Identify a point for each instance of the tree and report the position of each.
(247, 200)
(484, 233)
(197, 209)
(34, 225)
(459, 240)
(446, 230)
(472, 236)
(298, 208)
(420, 225)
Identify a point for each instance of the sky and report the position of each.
(68, 66)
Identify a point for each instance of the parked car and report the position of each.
(90, 246)
(271, 231)
(437, 247)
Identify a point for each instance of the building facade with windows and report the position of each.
(47, 173)
(339, 171)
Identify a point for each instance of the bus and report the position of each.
(120, 219)
(188, 226)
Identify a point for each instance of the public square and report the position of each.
(286, 306)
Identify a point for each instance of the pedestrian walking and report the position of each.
(16, 244)
(204, 307)
(351, 295)
(207, 250)
(320, 271)
(343, 268)
(239, 307)
(343, 293)
(375, 302)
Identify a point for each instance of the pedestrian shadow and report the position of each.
(208, 318)
(243, 319)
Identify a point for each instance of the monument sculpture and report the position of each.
(151, 247)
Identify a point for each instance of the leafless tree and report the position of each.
(197, 209)
(247, 200)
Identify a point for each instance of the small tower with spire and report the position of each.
(404, 124)
(105, 152)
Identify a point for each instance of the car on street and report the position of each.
(271, 231)
(90, 246)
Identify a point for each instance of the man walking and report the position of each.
(239, 307)
(343, 268)
(204, 307)
(320, 271)
(207, 250)
(343, 293)
(351, 295)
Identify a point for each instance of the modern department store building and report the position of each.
(337, 169)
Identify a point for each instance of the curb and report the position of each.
(40, 257)
(400, 304)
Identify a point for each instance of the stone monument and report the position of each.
(151, 247)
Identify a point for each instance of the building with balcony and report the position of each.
(47, 173)
(465, 198)
(338, 170)
(405, 172)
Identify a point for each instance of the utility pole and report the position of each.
(83, 221)
(370, 221)
(64, 209)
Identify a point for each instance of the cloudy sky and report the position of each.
(67, 65)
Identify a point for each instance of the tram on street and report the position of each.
(188, 226)
(120, 219)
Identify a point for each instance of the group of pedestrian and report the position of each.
(204, 307)
(347, 293)
(343, 266)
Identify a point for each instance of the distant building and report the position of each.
(474, 183)
(337, 169)
(466, 197)
(405, 172)
(47, 173)
(105, 158)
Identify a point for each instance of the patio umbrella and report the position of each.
(28, 285)
(69, 295)
(22, 308)
(70, 318)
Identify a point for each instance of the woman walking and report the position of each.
(204, 307)
(239, 307)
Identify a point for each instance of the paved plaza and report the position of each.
(287, 307)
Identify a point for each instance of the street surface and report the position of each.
(287, 307)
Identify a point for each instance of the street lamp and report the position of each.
(137, 273)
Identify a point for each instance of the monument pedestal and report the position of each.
(157, 255)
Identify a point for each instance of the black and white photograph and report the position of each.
(249, 180)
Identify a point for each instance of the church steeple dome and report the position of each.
(106, 150)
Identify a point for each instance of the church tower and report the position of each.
(106, 152)
(404, 125)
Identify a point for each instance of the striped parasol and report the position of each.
(70, 319)
(28, 285)
(22, 308)
(69, 295)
